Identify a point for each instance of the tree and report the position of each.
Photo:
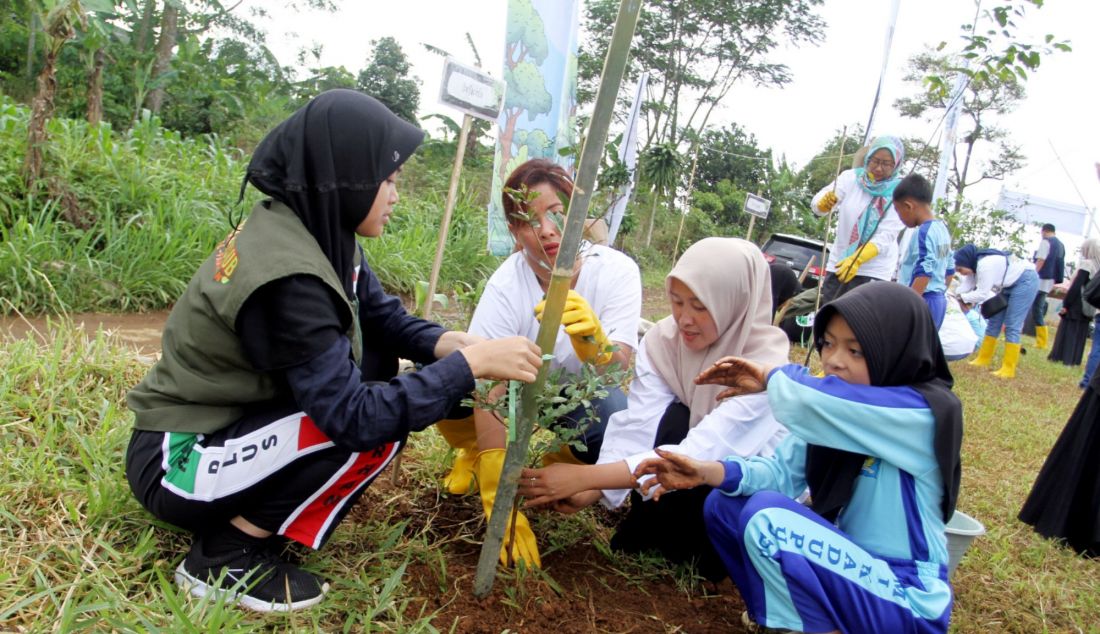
(982, 225)
(661, 165)
(697, 50)
(996, 52)
(169, 31)
(386, 78)
(731, 154)
(985, 97)
(821, 169)
(59, 20)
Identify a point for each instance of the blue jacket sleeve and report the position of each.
(360, 416)
(784, 471)
(383, 315)
(891, 423)
(926, 253)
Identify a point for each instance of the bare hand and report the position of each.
(576, 502)
(741, 376)
(673, 471)
(511, 358)
(550, 484)
(455, 340)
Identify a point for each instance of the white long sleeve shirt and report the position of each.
(852, 202)
(740, 426)
(985, 282)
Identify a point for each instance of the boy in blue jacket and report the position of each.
(928, 265)
(877, 440)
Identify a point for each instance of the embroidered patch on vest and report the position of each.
(226, 258)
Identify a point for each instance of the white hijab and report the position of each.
(730, 278)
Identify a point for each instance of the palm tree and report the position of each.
(661, 166)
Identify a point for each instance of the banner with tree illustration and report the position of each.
(540, 105)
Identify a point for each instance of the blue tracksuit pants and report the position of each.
(795, 570)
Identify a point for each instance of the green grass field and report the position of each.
(78, 553)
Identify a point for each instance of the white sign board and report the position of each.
(472, 91)
(757, 206)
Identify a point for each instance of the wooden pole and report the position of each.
(752, 223)
(591, 155)
(452, 194)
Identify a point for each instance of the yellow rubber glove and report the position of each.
(827, 202)
(847, 268)
(583, 328)
(488, 466)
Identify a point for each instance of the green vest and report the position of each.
(203, 380)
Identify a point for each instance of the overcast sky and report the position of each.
(833, 84)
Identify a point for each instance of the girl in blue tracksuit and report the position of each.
(877, 440)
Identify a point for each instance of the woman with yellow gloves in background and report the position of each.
(599, 326)
(865, 247)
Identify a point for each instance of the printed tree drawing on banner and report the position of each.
(527, 48)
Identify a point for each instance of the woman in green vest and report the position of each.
(274, 403)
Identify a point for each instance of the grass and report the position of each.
(123, 219)
(78, 553)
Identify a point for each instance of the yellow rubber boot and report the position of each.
(488, 466)
(1009, 363)
(1041, 337)
(985, 353)
(565, 455)
(462, 435)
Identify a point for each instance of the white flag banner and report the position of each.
(628, 154)
(1030, 209)
(882, 73)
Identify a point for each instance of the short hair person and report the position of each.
(599, 327)
(1050, 264)
(927, 266)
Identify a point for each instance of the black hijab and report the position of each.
(901, 346)
(327, 161)
(785, 284)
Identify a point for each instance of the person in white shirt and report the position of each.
(599, 326)
(720, 294)
(983, 273)
(865, 247)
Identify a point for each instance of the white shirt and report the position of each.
(609, 281)
(1044, 250)
(740, 426)
(852, 202)
(991, 269)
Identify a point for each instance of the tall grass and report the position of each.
(120, 223)
(124, 219)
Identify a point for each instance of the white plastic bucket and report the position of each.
(961, 530)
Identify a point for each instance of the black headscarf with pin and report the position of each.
(327, 161)
(902, 348)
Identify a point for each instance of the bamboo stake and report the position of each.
(561, 276)
(825, 243)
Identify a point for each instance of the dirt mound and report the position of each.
(581, 588)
